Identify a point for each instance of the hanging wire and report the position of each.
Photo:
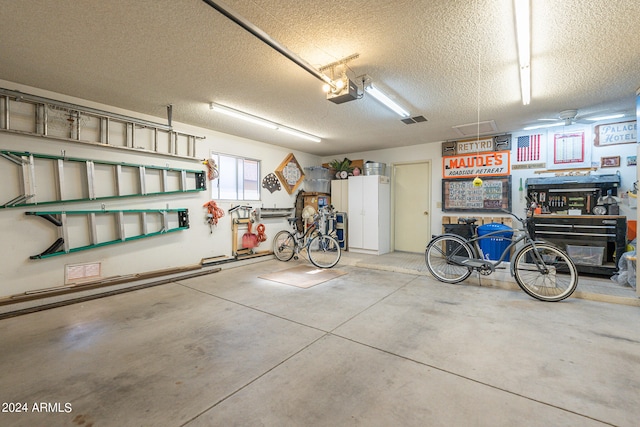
(477, 181)
(478, 86)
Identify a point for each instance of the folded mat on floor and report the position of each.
(303, 276)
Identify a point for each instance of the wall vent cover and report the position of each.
(75, 273)
(415, 119)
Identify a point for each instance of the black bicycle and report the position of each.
(541, 269)
(323, 249)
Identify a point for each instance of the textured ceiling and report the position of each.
(439, 58)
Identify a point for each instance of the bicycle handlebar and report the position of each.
(513, 215)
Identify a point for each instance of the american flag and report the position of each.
(529, 148)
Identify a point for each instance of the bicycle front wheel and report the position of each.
(324, 251)
(545, 272)
(444, 255)
(284, 245)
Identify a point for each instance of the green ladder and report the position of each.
(170, 220)
(168, 180)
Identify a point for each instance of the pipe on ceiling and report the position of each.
(257, 32)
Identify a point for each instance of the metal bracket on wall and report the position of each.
(27, 114)
(183, 180)
(169, 220)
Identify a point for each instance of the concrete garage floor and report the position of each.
(370, 348)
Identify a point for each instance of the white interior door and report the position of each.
(412, 195)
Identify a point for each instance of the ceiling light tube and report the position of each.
(261, 122)
(384, 99)
(612, 116)
(523, 36)
(241, 115)
(299, 134)
(551, 125)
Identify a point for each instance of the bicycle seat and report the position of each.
(467, 221)
(291, 220)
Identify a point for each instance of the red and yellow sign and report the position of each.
(479, 164)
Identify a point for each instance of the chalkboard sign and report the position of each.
(460, 195)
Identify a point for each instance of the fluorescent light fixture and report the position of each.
(612, 116)
(388, 102)
(298, 134)
(241, 115)
(523, 36)
(550, 125)
(262, 122)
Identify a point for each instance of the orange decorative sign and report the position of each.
(479, 164)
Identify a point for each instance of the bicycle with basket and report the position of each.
(541, 269)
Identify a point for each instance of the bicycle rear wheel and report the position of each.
(324, 251)
(545, 272)
(443, 257)
(284, 245)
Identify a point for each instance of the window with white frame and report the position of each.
(238, 178)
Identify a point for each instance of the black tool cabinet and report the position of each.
(606, 234)
(594, 241)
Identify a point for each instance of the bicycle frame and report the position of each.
(475, 239)
(301, 240)
(322, 249)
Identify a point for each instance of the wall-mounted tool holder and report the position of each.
(241, 217)
(99, 179)
(568, 194)
(25, 114)
(265, 213)
(105, 227)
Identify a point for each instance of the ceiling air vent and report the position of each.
(416, 119)
(472, 129)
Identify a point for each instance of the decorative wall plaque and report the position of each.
(290, 173)
(271, 183)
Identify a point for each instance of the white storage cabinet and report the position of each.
(340, 195)
(369, 214)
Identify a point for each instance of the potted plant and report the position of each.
(341, 168)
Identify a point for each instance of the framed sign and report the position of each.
(471, 146)
(290, 173)
(610, 162)
(616, 133)
(460, 195)
(479, 164)
(570, 148)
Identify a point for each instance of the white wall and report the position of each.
(433, 153)
(23, 236)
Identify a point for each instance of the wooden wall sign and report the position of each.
(616, 133)
(479, 164)
(290, 173)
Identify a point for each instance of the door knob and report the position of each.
(426, 213)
